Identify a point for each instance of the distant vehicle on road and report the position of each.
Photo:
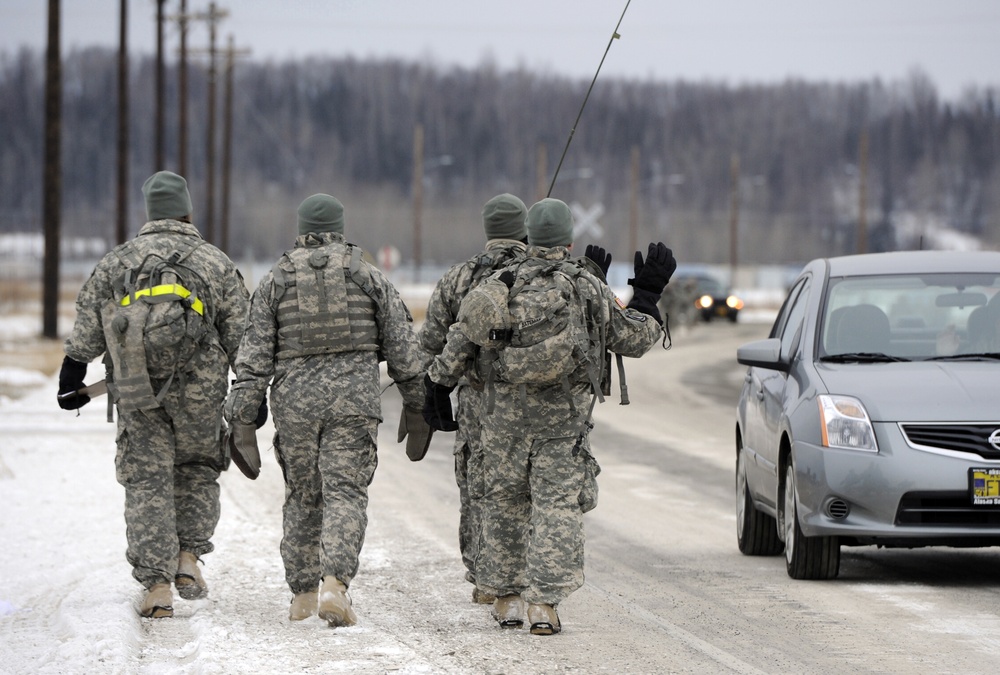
(870, 414)
(712, 300)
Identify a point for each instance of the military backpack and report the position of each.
(154, 325)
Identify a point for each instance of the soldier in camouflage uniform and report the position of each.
(503, 222)
(534, 442)
(169, 456)
(320, 322)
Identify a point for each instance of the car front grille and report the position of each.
(945, 508)
(968, 438)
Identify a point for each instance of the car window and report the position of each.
(912, 316)
(786, 306)
(791, 331)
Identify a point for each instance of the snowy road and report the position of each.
(667, 589)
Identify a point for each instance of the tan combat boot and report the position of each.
(303, 606)
(158, 603)
(188, 580)
(335, 604)
(543, 619)
(508, 610)
(480, 597)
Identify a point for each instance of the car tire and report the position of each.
(812, 558)
(756, 532)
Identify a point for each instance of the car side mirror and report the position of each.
(762, 354)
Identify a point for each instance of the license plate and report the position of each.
(984, 486)
(721, 310)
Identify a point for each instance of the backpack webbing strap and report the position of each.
(621, 379)
(167, 293)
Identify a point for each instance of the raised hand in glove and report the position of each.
(651, 277)
(417, 433)
(71, 381)
(600, 257)
(653, 273)
(437, 406)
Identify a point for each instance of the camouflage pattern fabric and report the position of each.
(442, 311)
(326, 411)
(169, 458)
(532, 515)
(328, 465)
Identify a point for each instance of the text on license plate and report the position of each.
(984, 486)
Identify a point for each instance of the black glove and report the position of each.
(71, 381)
(261, 418)
(653, 274)
(437, 406)
(645, 302)
(599, 256)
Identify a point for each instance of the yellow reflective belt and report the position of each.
(168, 289)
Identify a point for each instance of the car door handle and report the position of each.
(760, 394)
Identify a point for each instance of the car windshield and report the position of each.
(709, 286)
(911, 317)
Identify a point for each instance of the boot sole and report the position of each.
(188, 588)
(544, 628)
(158, 613)
(511, 623)
(336, 620)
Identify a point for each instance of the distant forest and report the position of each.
(676, 159)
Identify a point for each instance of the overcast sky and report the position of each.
(955, 42)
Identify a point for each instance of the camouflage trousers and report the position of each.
(468, 477)
(328, 466)
(168, 461)
(532, 521)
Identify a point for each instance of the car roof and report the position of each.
(898, 262)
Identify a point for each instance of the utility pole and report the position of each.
(541, 171)
(418, 196)
(158, 158)
(213, 16)
(863, 192)
(121, 212)
(52, 179)
(227, 139)
(182, 92)
(734, 215)
(633, 224)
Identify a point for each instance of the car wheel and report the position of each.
(756, 532)
(806, 557)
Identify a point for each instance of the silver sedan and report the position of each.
(871, 414)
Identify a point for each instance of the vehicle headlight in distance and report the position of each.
(845, 423)
(734, 302)
(704, 301)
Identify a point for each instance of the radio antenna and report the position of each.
(614, 36)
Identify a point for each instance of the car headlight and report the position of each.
(704, 301)
(845, 424)
(734, 303)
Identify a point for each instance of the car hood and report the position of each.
(932, 391)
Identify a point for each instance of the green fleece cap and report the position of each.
(321, 213)
(503, 218)
(166, 196)
(550, 223)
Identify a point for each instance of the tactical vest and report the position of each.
(327, 304)
(154, 325)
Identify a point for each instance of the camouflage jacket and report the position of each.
(628, 332)
(225, 299)
(348, 382)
